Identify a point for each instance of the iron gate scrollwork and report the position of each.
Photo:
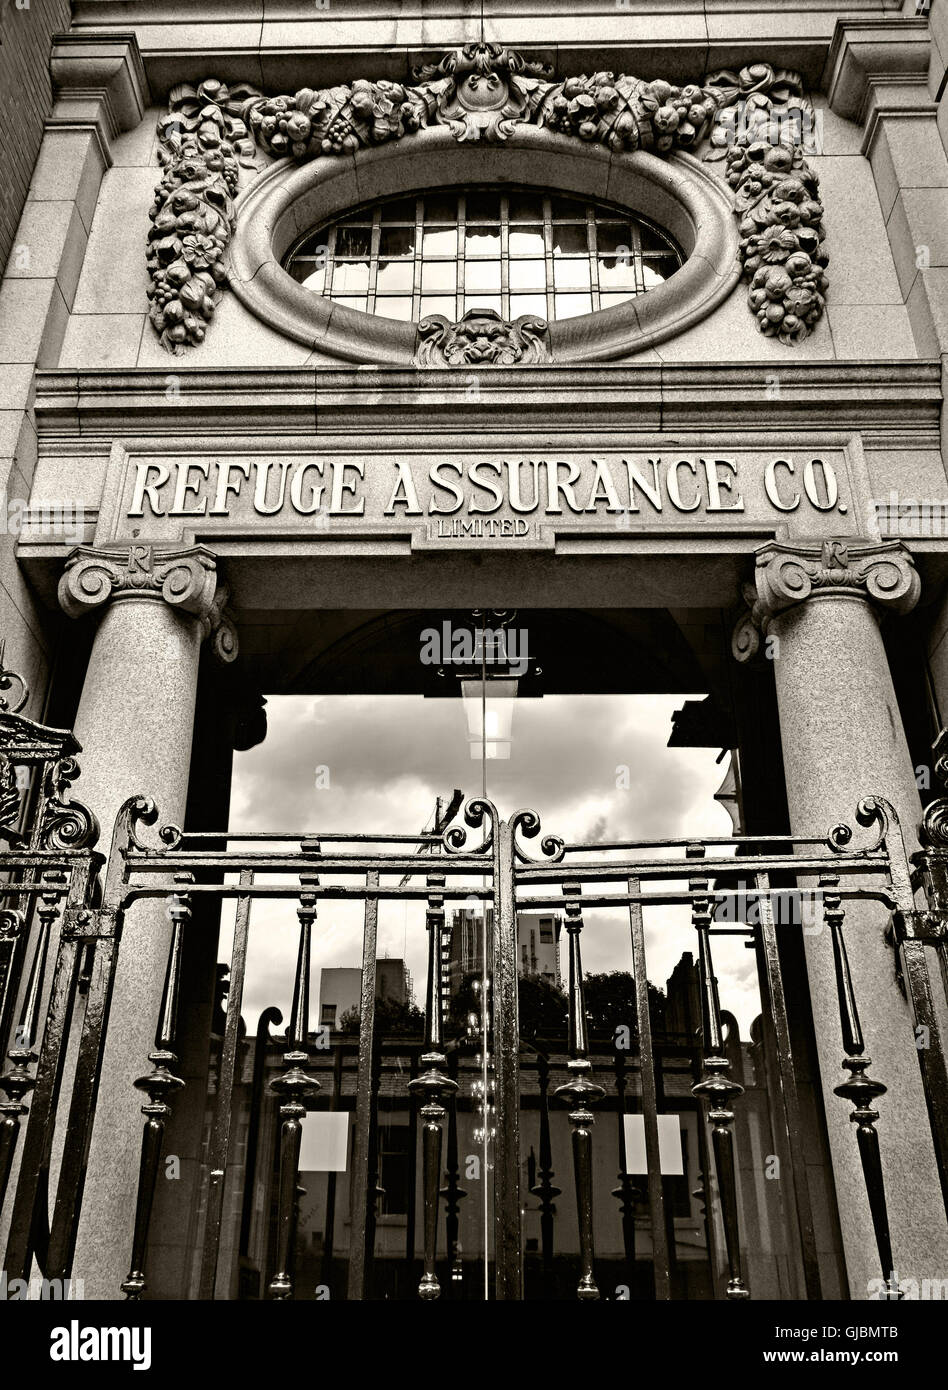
(52, 874)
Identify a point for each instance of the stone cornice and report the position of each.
(243, 40)
(887, 400)
(185, 579)
(787, 575)
(869, 54)
(98, 79)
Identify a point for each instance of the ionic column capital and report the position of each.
(185, 579)
(786, 575)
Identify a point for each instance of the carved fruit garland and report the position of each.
(776, 197)
(202, 138)
(756, 120)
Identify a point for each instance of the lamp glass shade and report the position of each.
(488, 707)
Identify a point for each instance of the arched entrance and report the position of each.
(578, 707)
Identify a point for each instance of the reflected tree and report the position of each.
(393, 1019)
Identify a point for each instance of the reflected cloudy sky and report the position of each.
(387, 758)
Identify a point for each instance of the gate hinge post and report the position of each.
(928, 925)
(91, 924)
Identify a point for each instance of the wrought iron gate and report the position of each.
(54, 877)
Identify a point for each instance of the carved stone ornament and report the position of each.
(786, 575)
(758, 119)
(481, 338)
(776, 197)
(201, 140)
(186, 579)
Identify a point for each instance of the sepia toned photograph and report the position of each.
(473, 671)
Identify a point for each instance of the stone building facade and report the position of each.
(234, 453)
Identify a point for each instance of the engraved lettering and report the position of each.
(144, 488)
(446, 485)
(674, 487)
(717, 483)
(296, 490)
(403, 493)
(772, 489)
(225, 486)
(185, 484)
(263, 484)
(341, 485)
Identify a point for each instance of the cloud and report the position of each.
(595, 768)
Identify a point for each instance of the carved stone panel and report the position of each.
(481, 338)
(757, 119)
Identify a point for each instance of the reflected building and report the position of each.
(623, 1233)
(462, 950)
(340, 989)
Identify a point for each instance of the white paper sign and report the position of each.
(325, 1142)
(669, 1145)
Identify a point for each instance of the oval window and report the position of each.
(513, 250)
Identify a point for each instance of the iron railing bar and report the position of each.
(294, 1086)
(930, 872)
(151, 861)
(85, 1085)
(683, 899)
(411, 1196)
(930, 1049)
(219, 1145)
(656, 1197)
(41, 859)
(452, 1192)
(626, 1193)
(678, 868)
(329, 1233)
(147, 861)
(262, 1040)
(12, 950)
(156, 861)
(581, 1093)
(861, 1090)
(433, 1086)
(295, 837)
(364, 1118)
(508, 1218)
(35, 890)
(338, 891)
(50, 1067)
(717, 1087)
(17, 1082)
(462, 892)
(706, 841)
(777, 1016)
(353, 892)
(37, 1142)
(663, 1105)
(366, 837)
(158, 1086)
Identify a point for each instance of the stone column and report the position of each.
(135, 723)
(817, 606)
